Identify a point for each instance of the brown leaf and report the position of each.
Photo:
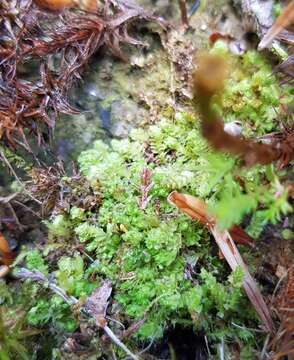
(59, 5)
(190, 205)
(6, 255)
(96, 304)
(197, 209)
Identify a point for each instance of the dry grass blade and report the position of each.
(234, 259)
(284, 20)
(229, 250)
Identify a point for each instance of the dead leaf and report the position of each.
(58, 5)
(6, 255)
(4, 270)
(195, 208)
(96, 304)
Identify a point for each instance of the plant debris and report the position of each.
(283, 342)
(32, 107)
(6, 255)
(97, 303)
(284, 20)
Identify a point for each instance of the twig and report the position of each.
(116, 340)
(184, 15)
(7, 202)
(6, 161)
(249, 329)
(113, 354)
(221, 350)
(207, 346)
(27, 208)
(263, 352)
(7, 199)
(148, 346)
(20, 226)
(282, 278)
(37, 276)
(115, 321)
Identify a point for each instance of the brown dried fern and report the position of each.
(28, 32)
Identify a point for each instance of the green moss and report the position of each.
(144, 252)
(52, 310)
(70, 276)
(59, 227)
(162, 265)
(252, 94)
(35, 261)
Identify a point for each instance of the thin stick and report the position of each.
(263, 352)
(20, 226)
(221, 350)
(35, 275)
(184, 15)
(27, 208)
(4, 158)
(207, 346)
(116, 340)
(7, 199)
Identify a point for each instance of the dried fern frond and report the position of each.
(71, 36)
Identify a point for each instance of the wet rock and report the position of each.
(124, 116)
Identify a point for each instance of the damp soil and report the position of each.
(181, 343)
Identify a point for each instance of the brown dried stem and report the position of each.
(207, 81)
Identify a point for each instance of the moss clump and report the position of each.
(146, 252)
(252, 94)
(162, 265)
